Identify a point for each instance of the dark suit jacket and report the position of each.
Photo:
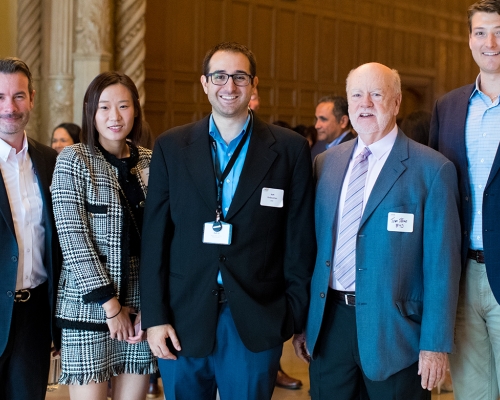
(447, 135)
(267, 268)
(44, 159)
(406, 282)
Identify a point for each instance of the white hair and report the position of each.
(396, 80)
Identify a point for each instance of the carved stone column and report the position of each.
(130, 50)
(60, 85)
(29, 47)
(93, 46)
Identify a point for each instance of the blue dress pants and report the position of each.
(238, 373)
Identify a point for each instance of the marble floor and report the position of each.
(290, 363)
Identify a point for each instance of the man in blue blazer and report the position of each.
(465, 128)
(385, 284)
(29, 255)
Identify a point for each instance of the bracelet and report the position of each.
(115, 314)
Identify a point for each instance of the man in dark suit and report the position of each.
(228, 242)
(465, 128)
(29, 245)
(385, 286)
(332, 123)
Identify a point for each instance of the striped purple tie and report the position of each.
(345, 256)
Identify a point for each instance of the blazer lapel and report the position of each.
(5, 206)
(461, 109)
(391, 171)
(494, 168)
(331, 181)
(44, 179)
(257, 163)
(200, 164)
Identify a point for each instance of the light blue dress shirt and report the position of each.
(224, 153)
(337, 140)
(482, 135)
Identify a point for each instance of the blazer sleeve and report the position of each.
(73, 227)
(300, 240)
(441, 261)
(156, 238)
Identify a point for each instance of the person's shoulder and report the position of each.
(331, 155)
(75, 152)
(452, 95)
(426, 155)
(280, 134)
(183, 132)
(46, 150)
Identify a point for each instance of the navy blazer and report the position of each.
(447, 135)
(44, 159)
(267, 268)
(406, 282)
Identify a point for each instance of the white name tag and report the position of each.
(272, 197)
(222, 236)
(145, 175)
(400, 222)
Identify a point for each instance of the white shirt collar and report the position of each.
(6, 148)
(380, 147)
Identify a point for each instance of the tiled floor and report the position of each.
(290, 363)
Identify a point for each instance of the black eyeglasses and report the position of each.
(221, 79)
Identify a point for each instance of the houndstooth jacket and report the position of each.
(90, 223)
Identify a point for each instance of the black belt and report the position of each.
(477, 255)
(23, 295)
(348, 298)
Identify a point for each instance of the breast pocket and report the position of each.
(98, 226)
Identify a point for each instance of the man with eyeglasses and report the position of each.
(228, 243)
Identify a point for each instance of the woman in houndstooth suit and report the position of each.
(98, 191)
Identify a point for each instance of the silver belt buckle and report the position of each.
(346, 299)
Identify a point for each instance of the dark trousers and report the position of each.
(336, 372)
(231, 367)
(24, 365)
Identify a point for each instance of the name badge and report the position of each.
(145, 175)
(400, 222)
(217, 233)
(272, 197)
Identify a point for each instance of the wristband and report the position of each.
(115, 314)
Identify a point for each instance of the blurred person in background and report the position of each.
(65, 134)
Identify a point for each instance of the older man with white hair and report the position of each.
(385, 285)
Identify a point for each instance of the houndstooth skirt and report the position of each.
(90, 356)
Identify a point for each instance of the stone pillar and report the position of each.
(93, 47)
(29, 38)
(130, 50)
(60, 82)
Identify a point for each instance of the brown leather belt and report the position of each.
(348, 298)
(477, 255)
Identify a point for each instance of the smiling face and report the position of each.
(484, 41)
(15, 103)
(373, 101)
(61, 139)
(115, 114)
(229, 101)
